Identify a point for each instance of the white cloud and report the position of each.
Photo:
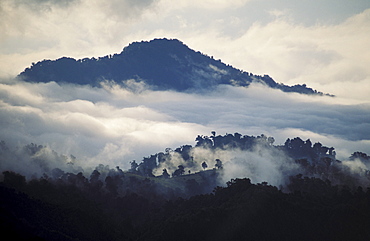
(256, 36)
(113, 125)
(330, 58)
(205, 4)
(260, 164)
(35, 30)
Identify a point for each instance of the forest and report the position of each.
(181, 194)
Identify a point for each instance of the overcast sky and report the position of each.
(323, 43)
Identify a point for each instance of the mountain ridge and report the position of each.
(162, 64)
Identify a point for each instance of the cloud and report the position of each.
(113, 125)
(272, 109)
(260, 164)
(89, 122)
(35, 30)
(324, 47)
(330, 58)
(316, 44)
(34, 160)
(206, 4)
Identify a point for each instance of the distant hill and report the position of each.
(163, 64)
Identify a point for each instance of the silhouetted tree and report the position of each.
(165, 174)
(14, 180)
(3, 146)
(204, 141)
(112, 183)
(95, 183)
(218, 164)
(270, 140)
(178, 172)
(147, 166)
(359, 155)
(134, 166)
(119, 171)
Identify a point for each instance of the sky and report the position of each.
(320, 43)
(323, 44)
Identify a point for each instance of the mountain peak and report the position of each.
(158, 42)
(161, 63)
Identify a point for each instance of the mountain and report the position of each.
(160, 63)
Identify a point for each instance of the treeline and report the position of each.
(313, 210)
(325, 200)
(108, 205)
(313, 160)
(186, 153)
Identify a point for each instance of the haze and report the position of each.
(321, 44)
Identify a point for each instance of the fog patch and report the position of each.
(261, 164)
(117, 124)
(356, 166)
(34, 161)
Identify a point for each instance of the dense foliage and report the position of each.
(324, 201)
(241, 211)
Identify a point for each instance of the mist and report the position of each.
(114, 125)
(260, 164)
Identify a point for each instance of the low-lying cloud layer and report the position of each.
(114, 126)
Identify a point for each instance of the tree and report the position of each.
(218, 164)
(119, 171)
(134, 166)
(203, 141)
(147, 166)
(112, 183)
(165, 174)
(179, 171)
(14, 180)
(204, 165)
(271, 140)
(96, 184)
(94, 177)
(359, 155)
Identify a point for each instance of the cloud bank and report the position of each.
(114, 126)
(320, 44)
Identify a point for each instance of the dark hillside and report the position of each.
(41, 210)
(161, 63)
